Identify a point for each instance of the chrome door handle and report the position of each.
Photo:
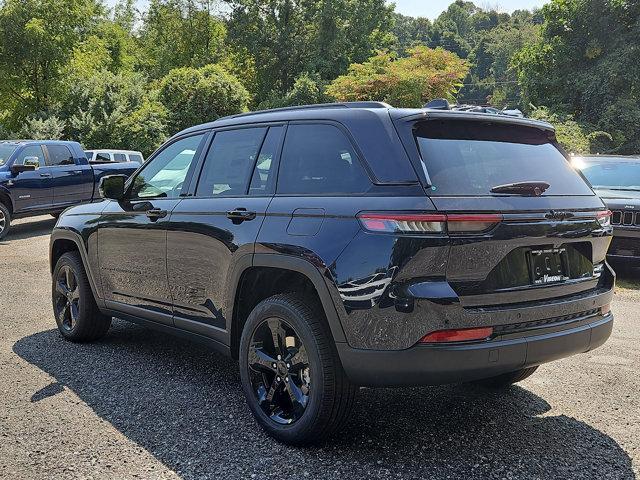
(156, 213)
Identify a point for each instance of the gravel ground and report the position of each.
(140, 404)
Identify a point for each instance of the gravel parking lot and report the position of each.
(140, 404)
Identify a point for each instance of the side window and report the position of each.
(103, 157)
(60, 155)
(262, 181)
(164, 175)
(119, 157)
(32, 153)
(134, 157)
(318, 160)
(229, 162)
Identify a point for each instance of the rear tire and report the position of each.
(507, 379)
(5, 221)
(77, 315)
(303, 396)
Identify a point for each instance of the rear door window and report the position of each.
(229, 162)
(59, 155)
(119, 157)
(469, 158)
(320, 160)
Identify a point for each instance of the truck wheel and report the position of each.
(291, 374)
(5, 221)
(506, 379)
(74, 306)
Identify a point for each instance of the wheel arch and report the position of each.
(296, 272)
(5, 199)
(65, 241)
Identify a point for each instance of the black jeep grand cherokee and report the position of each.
(333, 246)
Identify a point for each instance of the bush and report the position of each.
(306, 90)
(196, 95)
(403, 82)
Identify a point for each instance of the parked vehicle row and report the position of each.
(333, 246)
(45, 177)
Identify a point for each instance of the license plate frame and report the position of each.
(548, 265)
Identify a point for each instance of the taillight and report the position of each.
(459, 335)
(428, 223)
(604, 218)
(400, 222)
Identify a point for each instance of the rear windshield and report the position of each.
(469, 158)
(612, 174)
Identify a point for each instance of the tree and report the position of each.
(587, 64)
(37, 38)
(197, 95)
(179, 33)
(403, 82)
(307, 89)
(290, 37)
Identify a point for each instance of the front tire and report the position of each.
(291, 374)
(507, 379)
(77, 315)
(5, 221)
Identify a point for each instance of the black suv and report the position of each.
(335, 246)
(616, 179)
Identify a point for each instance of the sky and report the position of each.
(433, 8)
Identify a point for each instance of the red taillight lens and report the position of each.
(428, 223)
(604, 217)
(460, 335)
(401, 222)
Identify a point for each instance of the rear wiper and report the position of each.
(529, 189)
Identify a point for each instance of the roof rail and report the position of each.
(317, 106)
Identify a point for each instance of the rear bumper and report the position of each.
(432, 365)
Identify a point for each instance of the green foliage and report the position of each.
(178, 33)
(104, 110)
(587, 64)
(192, 96)
(37, 38)
(290, 37)
(403, 82)
(51, 128)
(307, 89)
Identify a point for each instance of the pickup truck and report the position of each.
(44, 177)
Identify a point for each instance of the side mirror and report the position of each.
(19, 168)
(31, 161)
(112, 187)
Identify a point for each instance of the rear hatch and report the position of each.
(524, 225)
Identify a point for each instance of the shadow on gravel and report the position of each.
(184, 405)
(24, 230)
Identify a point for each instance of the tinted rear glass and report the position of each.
(612, 173)
(469, 158)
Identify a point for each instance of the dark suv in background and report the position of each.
(335, 246)
(616, 179)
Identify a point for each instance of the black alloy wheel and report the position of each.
(67, 298)
(5, 221)
(278, 368)
(77, 315)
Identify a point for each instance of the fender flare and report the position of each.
(295, 264)
(77, 240)
(4, 194)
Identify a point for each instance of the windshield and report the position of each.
(6, 150)
(611, 174)
(469, 158)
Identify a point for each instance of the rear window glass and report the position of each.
(468, 158)
(5, 152)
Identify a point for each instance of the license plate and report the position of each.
(548, 266)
